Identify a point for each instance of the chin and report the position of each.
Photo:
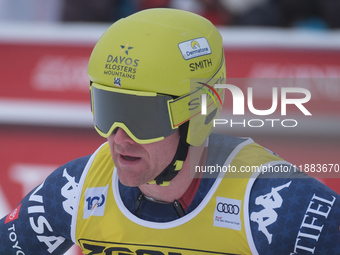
(130, 181)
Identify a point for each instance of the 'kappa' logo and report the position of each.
(268, 216)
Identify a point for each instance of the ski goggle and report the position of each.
(146, 117)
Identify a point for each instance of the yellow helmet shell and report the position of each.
(147, 51)
(158, 50)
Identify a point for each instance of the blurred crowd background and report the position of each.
(309, 14)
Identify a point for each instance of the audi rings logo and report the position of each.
(228, 208)
(227, 213)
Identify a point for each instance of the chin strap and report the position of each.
(176, 164)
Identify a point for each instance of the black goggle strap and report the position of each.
(170, 172)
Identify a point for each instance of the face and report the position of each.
(138, 164)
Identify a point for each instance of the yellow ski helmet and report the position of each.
(148, 72)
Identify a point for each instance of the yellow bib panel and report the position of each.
(219, 225)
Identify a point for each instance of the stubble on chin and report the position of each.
(132, 179)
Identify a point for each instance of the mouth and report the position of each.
(129, 158)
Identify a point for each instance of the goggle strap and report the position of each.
(179, 110)
(179, 107)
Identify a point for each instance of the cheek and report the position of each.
(165, 150)
(110, 141)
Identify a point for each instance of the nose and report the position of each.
(121, 137)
